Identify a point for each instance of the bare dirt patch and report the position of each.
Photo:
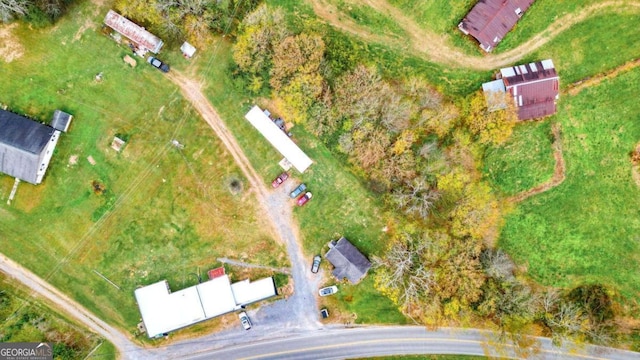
(10, 48)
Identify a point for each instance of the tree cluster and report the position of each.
(34, 10)
(193, 20)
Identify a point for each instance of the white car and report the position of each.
(244, 319)
(329, 290)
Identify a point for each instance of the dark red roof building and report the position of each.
(533, 87)
(490, 20)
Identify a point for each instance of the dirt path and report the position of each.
(254, 266)
(433, 47)
(558, 173)
(70, 307)
(302, 306)
(575, 88)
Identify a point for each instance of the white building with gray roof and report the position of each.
(26, 146)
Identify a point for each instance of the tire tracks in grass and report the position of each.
(433, 47)
(559, 172)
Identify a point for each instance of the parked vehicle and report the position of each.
(329, 290)
(298, 190)
(279, 180)
(304, 198)
(158, 64)
(244, 319)
(324, 313)
(316, 264)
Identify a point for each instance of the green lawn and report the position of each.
(380, 24)
(24, 318)
(586, 230)
(524, 161)
(166, 213)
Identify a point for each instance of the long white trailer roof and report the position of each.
(278, 139)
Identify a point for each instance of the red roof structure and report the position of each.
(490, 20)
(534, 88)
(133, 32)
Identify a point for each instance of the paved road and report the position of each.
(341, 343)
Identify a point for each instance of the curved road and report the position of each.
(341, 343)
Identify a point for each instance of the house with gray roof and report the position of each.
(348, 261)
(26, 146)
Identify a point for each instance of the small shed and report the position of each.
(61, 120)
(347, 260)
(187, 50)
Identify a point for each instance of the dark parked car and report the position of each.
(324, 313)
(304, 198)
(279, 180)
(158, 64)
(316, 264)
(297, 191)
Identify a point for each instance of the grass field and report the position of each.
(586, 230)
(166, 213)
(366, 16)
(24, 318)
(524, 161)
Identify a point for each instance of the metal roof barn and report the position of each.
(490, 20)
(26, 147)
(534, 88)
(278, 139)
(133, 32)
(163, 311)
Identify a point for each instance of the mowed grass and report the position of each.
(596, 45)
(167, 213)
(524, 161)
(367, 16)
(587, 229)
(341, 206)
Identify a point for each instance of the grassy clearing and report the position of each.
(586, 230)
(22, 318)
(166, 213)
(524, 161)
(441, 17)
(366, 16)
(593, 46)
(537, 19)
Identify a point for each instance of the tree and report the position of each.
(493, 127)
(416, 198)
(497, 264)
(9, 9)
(402, 274)
(259, 33)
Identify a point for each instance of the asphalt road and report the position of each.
(396, 340)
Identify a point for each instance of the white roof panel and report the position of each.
(533, 67)
(547, 64)
(278, 139)
(163, 312)
(507, 72)
(216, 296)
(246, 292)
